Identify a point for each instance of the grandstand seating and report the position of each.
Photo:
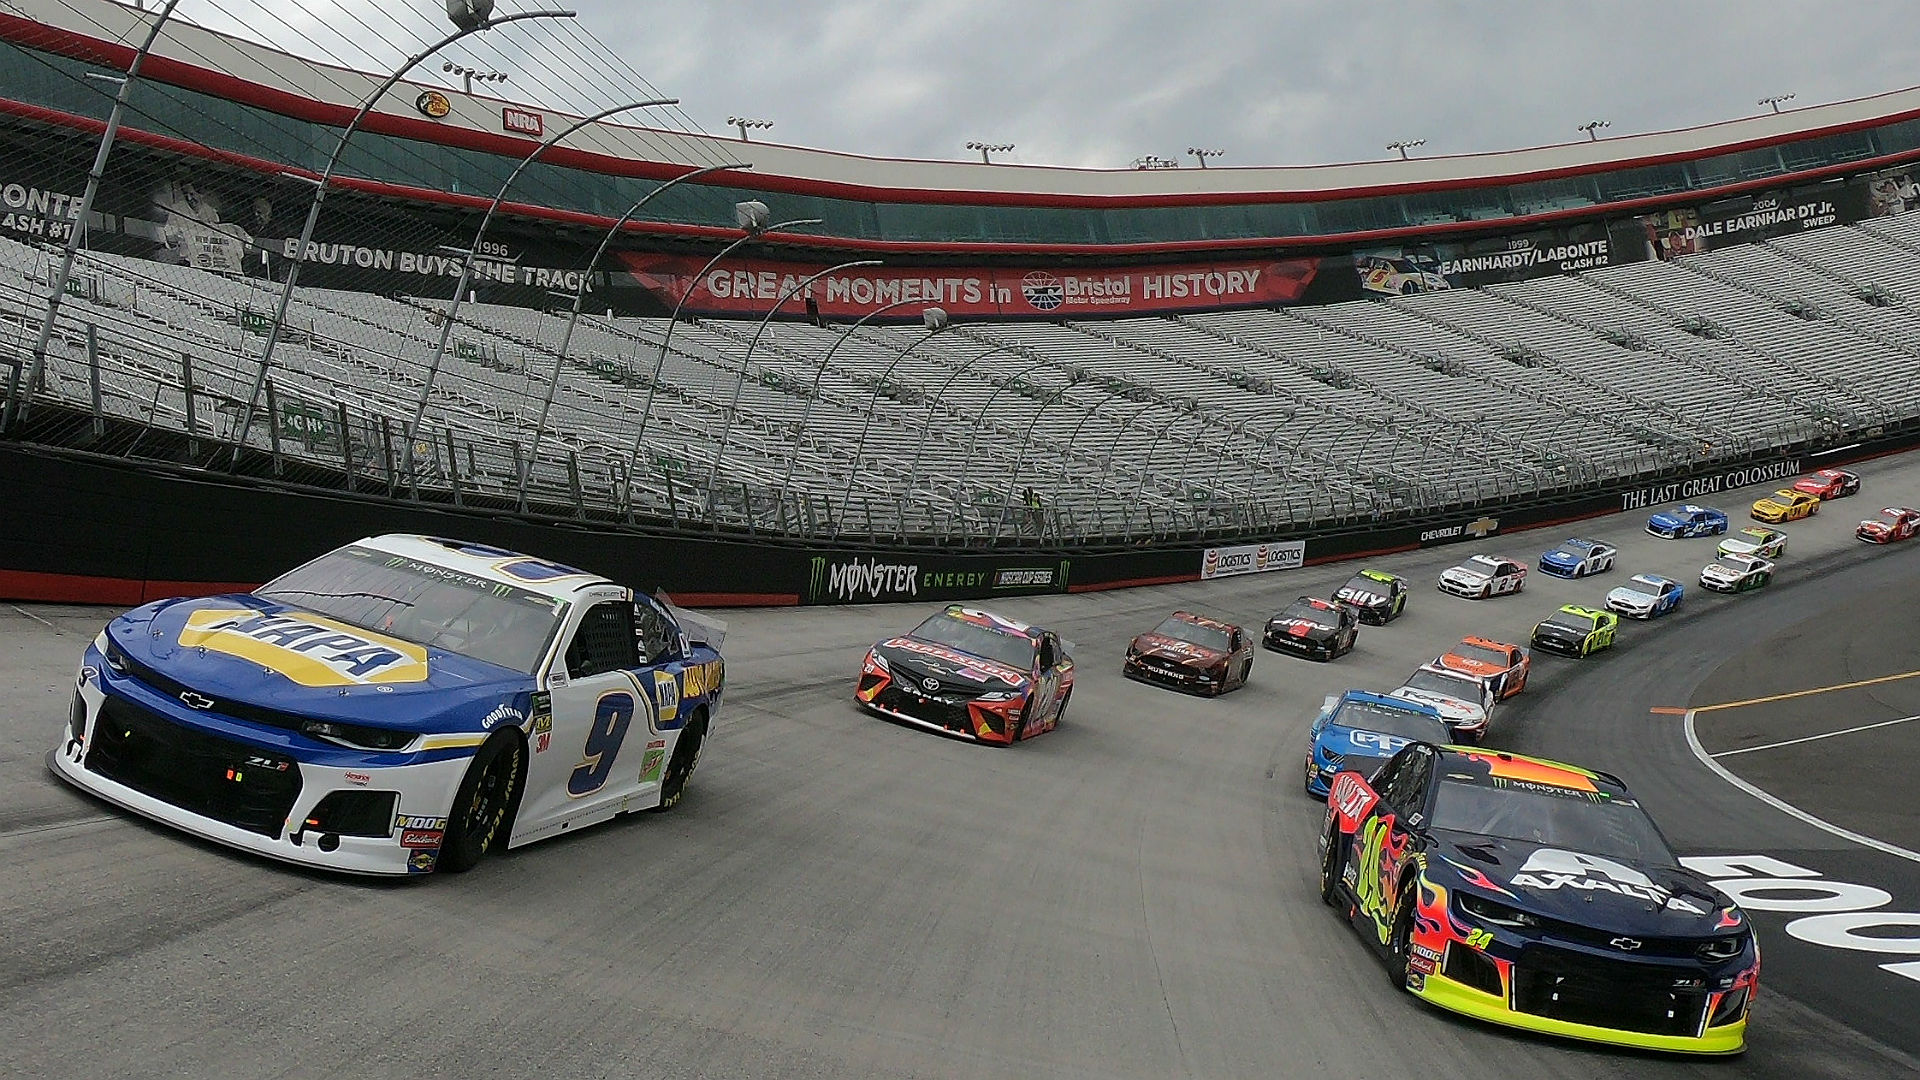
(1238, 418)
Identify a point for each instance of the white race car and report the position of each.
(1756, 540)
(1465, 703)
(399, 705)
(1483, 576)
(1736, 573)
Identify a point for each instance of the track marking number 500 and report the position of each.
(1836, 914)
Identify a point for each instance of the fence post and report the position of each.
(93, 380)
(346, 443)
(519, 465)
(573, 483)
(386, 450)
(193, 413)
(453, 469)
(273, 426)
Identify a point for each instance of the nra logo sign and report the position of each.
(522, 122)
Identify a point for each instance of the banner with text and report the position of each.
(1222, 562)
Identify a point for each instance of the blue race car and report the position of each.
(1646, 596)
(1357, 731)
(400, 705)
(1577, 557)
(1689, 520)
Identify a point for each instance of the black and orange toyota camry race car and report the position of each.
(1191, 652)
(970, 673)
(1536, 895)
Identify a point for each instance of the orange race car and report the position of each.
(1504, 666)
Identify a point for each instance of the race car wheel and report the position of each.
(1060, 717)
(1331, 864)
(478, 819)
(1400, 944)
(686, 755)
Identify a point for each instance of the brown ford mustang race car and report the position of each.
(1191, 652)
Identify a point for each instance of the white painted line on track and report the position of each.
(1787, 808)
(1814, 738)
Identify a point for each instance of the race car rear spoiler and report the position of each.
(701, 629)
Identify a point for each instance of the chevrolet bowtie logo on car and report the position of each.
(196, 701)
(1625, 944)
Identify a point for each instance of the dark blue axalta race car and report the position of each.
(1358, 730)
(400, 705)
(1685, 521)
(1536, 895)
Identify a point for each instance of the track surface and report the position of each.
(840, 896)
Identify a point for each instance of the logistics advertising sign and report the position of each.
(751, 286)
(1252, 559)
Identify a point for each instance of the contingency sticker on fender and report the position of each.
(311, 650)
(666, 697)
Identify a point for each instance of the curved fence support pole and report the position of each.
(813, 388)
(935, 324)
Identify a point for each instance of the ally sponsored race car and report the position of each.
(1378, 596)
(1536, 895)
(400, 705)
(970, 673)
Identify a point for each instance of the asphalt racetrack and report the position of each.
(1132, 895)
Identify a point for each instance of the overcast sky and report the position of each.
(1080, 82)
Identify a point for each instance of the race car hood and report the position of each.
(1562, 557)
(1738, 547)
(1449, 707)
(1361, 751)
(1364, 598)
(244, 652)
(1716, 572)
(1874, 525)
(1587, 890)
(1556, 632)
(1667, 521)
(924, 659)
(1631, 598)
(1301, 628)
(1180, 652)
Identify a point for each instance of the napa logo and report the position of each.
(309, 649)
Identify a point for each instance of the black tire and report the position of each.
(1399, 943)
(686, 756)
(1061, 716)
(1331, 865)
(483, 802)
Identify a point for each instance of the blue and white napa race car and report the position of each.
(400, 705)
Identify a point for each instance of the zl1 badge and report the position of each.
(650, 763)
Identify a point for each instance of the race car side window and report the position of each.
(1049, 656)
(605, 641)
(1234, 642)
(658, 639)
(1406, 792)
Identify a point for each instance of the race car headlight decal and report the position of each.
(1725, 948)
(116, 659)
(1732, 1007)
(1493, 912)
(357, 736)
(998, 695)
(876, 662)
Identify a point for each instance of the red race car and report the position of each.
(1829, 484)
(1191, 652)
(1894, 523)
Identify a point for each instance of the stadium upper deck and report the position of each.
(228, 97)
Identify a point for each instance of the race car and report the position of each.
(1576, 631)
(1685, 521)
(1756, 541)
(1465, 703)
(1785, 505)
(1378, 597)
(1894, 523)
(1736, 573)
(970, 673)
(400, 705)
(1536, 895)
(1397, 275)
(1484, 576)
(1357, 731)
(1191, 652)
(1314, 628)
(1829, 484)
(1577, 557)
(1646, 596)
(1504, 666)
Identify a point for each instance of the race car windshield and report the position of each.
(1005, 646)
(1729, 566)
(1399, 722)
(1480, 564)
(1451, 686)
(1573, 820)
(1569, 622)
(425, 604)
(1365, 584)
(1480, 654)
(1308, 613)
(1206, 637)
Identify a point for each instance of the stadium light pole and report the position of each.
(986, 148)
(746, 359)
(1201, 154)
(1404, 145)
(744, 123)
(1775, 100)
(1592, 128)
(973, 437)
(751, 218)
(813, 388)
(467, 74)
(933, 409)
(466, 25)
(579, 300)
(935, 319)
(58, 285)
(452, 314)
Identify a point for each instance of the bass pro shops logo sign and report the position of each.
(1252, 559)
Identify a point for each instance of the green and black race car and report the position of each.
(1576, 631)
(1377, 596)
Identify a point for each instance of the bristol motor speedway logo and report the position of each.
(1252, 559)
(1043, 290)
(309, 649)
